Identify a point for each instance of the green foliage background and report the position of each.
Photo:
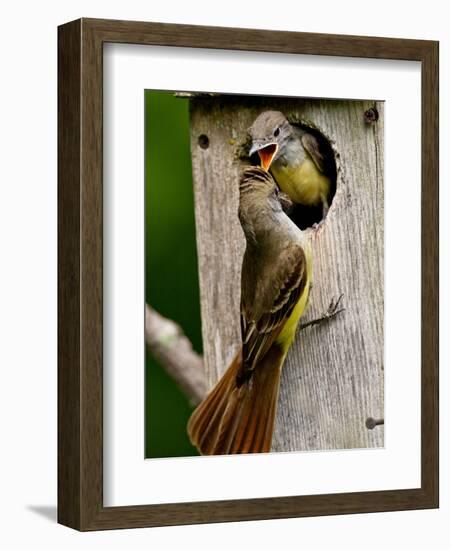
(172, 286)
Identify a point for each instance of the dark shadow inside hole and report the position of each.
(307, 216)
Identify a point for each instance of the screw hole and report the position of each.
(203, 141)
(371, 115)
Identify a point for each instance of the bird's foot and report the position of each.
(332, 311)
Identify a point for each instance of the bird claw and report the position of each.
(333, 310)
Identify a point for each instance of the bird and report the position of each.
(294, 156)
(238, 414)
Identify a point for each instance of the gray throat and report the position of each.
(292, 152)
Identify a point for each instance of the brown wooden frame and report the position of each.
(80, 265)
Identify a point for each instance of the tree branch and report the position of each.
(173, 350)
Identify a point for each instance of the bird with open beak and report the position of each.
(294, 157)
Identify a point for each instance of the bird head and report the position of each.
(258, 190)
(269, 132)
(259, 204)
(257, 182)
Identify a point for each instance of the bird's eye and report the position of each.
(276, 132)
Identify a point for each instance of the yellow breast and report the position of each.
(303, 182)
(287, 335)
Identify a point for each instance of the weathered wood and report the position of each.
(333, 377)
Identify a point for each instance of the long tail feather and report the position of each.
(234, 419)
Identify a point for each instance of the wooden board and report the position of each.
(333, 378)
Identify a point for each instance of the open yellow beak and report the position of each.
(266, 155)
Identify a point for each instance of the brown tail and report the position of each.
(239, 420)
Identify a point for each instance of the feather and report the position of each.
(236, 419)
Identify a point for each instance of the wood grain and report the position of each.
(80, 264)
(333, 377)
(69, 243)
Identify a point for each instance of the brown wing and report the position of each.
(260, 330)
(312, 145)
